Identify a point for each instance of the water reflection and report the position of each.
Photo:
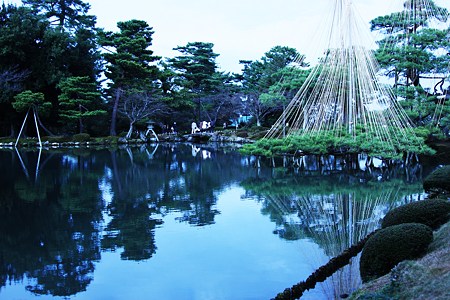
(58, 211)
(48, 225)
(61, 209)
(334, 209)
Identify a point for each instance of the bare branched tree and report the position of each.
(140, 105)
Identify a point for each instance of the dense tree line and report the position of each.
(78, 78)
(97, 81)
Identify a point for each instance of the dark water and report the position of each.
(184, 222)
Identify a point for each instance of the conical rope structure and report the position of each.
(343, 96)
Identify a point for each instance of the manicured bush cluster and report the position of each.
(107, 140)
(339, 141)
(81, 137)
(439, 180)
(391, 245)
(57, 139)
(431, 212)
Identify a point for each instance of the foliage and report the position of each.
(409, 46)
(78, 98)
(46, 44)
(263, 80)
(431, 212)
(391, 245)
(439, 180)
(412, 53)
(56, 139)
(413, 279)
(291, 79)
(11, 82)
(200, 86)
(81, 137)
(32, 46)
(129, 60)
(138, 105)
(27, 99)
(329, 142)
(64, 13)
(107, 140)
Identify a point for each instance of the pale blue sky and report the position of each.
(239, 29)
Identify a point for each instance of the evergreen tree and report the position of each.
(79, 100)
(414, 54)
(67, 14)
(196, 73)
(259, 76)
(21, 34)
(408, 52)
(129, 61)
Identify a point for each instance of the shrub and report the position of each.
(391, 245)
(107, 140)
(242, 134)
(56, 139)
(439, 180)
(432, 212)
(81, 137)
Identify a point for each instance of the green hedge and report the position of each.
(81, 137)
(439, 180)
(57, 139)
(391, 245)
(431, 212)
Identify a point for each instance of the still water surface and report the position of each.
(184, 222)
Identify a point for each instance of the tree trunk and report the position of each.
(43, 127)
(112, 131)
(130, 131)
(13, 131)
(80, 120)
(258, 121)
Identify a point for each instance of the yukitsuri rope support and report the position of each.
(343, 94)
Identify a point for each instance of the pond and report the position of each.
(180, 221)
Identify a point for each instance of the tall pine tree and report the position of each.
(129, 61)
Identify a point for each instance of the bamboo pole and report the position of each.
(37, 128)
(21, 129)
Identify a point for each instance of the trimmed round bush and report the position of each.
(391, 245)
(431, 212)
(438, 180)
(81, 137)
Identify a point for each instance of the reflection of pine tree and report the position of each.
(49, 230)
(335, 211)
(145, 187)
(132, 229)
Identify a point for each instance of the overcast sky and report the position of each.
(239, 29)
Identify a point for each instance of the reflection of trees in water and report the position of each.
(48, 225)
(336, 211)
(172, 179)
